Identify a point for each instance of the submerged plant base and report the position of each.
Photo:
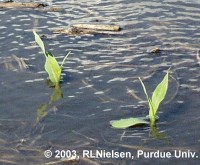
(156, 134)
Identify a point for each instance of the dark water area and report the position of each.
(98, 81)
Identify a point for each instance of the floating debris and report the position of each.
(52, 9)
(81, 29)
(21, 5)
(198, 56)
(100, 27)
(14, 63)
(154, 50)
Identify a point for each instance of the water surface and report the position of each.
(97, 80)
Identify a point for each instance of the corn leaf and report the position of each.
(51, 65)
(52, 68)
(159, 93)
(39, 42)
(64, 59)
(151, 108)
(125, 123)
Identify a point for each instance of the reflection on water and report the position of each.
(100, 79)
(45, 108)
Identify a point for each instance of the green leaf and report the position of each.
(159, 93)
(51, 65)
(125, 123)
(157, 97)
(52, 68)
(64, 59)
(39, 42)
(151, 108)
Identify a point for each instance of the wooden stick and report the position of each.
(76, 31)
(22, 5)
(97, 27)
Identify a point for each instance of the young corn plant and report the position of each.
(157, 97)
(154, 102)
(51, 65)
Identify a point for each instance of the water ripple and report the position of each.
(101, 68)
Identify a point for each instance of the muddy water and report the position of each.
(99, 80)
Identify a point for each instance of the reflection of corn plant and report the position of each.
(51, 65)
(157, 97)
(45, 108)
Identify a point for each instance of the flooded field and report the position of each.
(100, 82)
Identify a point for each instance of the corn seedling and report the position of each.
(157, 97)
(154, 102)
(51, 65)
